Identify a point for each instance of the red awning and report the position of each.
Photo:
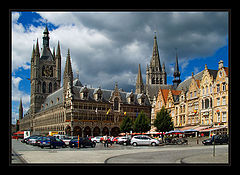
(19, 132)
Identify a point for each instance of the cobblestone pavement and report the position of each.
(119, 154)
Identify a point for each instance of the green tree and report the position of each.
(142, 123)
(163, 121)
(126, 125)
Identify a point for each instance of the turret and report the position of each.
(68, 74)
(58, 59)
(20, 110)
(139, 83)
(176, 74)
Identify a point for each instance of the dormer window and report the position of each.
(142, 100)
(99, 96)
(132, 99)
(85, 94)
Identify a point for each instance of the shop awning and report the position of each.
(190, 130)
(212, 129)
(19, 132)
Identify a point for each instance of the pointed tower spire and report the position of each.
(46, 37)
(68, 74)
(37, 53)
(176, 68)
(139, 83)
(155, 61)
(176, 74)
(58, 65)
(20, 110)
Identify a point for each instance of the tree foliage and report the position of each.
(163, 121)
(142, 123)
(126, 125)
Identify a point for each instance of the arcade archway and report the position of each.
(96, 131)
(68, 130)
(77, 131)
(105, 131)
(87, 131)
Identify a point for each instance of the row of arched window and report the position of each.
(156, 81)
(43, 87)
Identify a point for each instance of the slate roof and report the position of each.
(56, 97)
(153, 89)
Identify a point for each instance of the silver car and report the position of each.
(143, 140)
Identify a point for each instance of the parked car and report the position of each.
(115, 139)
(96, 139)
(25, 140)
(51, 142)
(67, 139)
(32, 139)
(125, 142)
(143, 140)
(121, 139)
(38, 140)
(218, 139)
(83, 142)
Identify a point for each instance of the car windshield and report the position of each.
(46, 138)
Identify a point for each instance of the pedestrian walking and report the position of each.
(106, 141)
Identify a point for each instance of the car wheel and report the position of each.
(51, 146)
(153, 144)
(134, 144)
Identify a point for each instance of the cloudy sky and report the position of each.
(106, 47)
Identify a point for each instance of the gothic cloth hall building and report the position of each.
(73, 109)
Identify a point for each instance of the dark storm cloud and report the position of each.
(130, 40)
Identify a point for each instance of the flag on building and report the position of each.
(108, 111)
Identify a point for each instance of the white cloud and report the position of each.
(16, 93)
(116, 42)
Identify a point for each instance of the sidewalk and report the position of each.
(206, 159)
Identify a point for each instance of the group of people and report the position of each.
(107, 140)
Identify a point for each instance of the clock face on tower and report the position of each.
(48, 71)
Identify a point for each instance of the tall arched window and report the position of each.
(55, 86)
(43, 69)
(51, 71)
(116, 104)
(44, 87)
(153, 80)
(39, 86)
(157, 81)
(50, 87)
(206, 103)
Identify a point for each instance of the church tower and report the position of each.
(154, 73)
(45, 72)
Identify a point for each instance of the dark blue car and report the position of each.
(83, 142)
(51, 142)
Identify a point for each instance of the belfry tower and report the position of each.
(45, 72)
